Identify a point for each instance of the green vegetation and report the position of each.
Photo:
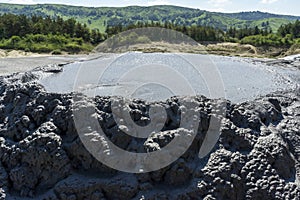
(102, 17)
(198, 33)
(267, 40)
(38, 34)
(53, 28)
(286, 36)
(292, 29)
(46, 43)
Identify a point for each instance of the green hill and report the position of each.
(102, 16)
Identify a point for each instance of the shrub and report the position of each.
(41, 48)
(38, 38)
(57, 39)
(260, 40)
(73, 48)
(56, 52)
(15, 39)
(46, 43)
(78, 41)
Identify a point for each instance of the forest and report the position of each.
(55, 34)
(38, 34)
(286, 35)
(100, 17)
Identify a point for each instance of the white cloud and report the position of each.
(268, 1)
(22, 2)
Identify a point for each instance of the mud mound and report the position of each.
(42, 156)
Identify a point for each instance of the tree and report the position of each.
(69, 26)
(256, 30)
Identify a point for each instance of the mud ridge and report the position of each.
(42, 156)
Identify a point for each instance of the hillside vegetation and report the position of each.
(60, 28)
(46, 34)
(38, 34)
(101, 17)
(287, 34)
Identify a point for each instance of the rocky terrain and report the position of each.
(42, 157)
(291, 61)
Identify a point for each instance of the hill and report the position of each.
(100, 17)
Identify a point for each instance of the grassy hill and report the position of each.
(102, 16)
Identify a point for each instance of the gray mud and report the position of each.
(23, 64)
(239, 79)
(42, 157)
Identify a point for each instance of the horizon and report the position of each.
(224, 6)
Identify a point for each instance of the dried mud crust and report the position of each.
(42, 157)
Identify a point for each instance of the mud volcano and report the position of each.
(233, 78)
(42, 156)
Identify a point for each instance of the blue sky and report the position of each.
(291, 7)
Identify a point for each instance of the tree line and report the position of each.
(21, 25)
(198, 33)
(46, 34)
(286, 36)
(292, 29)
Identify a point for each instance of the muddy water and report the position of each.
(159, 76)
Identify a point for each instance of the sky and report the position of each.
(289, 7)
